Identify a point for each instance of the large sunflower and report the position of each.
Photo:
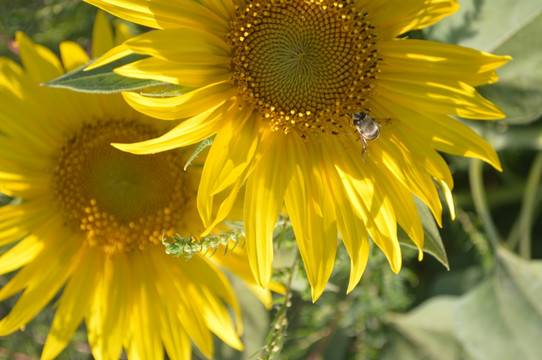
(91, 217)
(279, 82)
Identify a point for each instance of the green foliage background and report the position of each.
(487, 306)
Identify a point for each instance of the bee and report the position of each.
(368, 128)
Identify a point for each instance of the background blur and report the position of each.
(487, 306)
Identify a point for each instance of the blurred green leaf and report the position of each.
(481, 328)
(518, 284)
(432, 241)
(502, 318)
(429, 329)
(102, 79)
(519, 90)
(512, 138)
(503, 27)
(486, 25)
(337, 348)
(401, 348)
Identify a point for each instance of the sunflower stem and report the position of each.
(275, 338)
(480, 201)
(514, 235)
(526, 215)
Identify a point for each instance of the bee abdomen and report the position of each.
(366, 126)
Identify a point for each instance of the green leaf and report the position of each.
(201, 146)
(5, 199)
(429, 330)
(518, 284)
(165, 90)
(400, 348)
(485, 25)
(517, 137)
(481, 329)
(507, 28)
(432, 241)
(502, 318)
(519, 90)
(103, 80)
(522, 103)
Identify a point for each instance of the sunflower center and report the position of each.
(304, 64)
(121, 201)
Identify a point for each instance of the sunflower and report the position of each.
(280, 83)
(90, 220)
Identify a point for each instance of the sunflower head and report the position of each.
(281, 83)
(104, 192)
(89, 220)
(301, 65)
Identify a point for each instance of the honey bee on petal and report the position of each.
(368, 129)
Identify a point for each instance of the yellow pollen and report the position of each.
(317, 59)
(120, 201)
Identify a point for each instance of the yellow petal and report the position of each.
(180, 107)
(11, 75)
(107, 319)
(17, 117)
(17, 221)
(459, 100)
(181, 294)
(350, 225)
(176, 340)
(458, 139)
(191, 42)
(428, 60)
(429, 159)
(311, 213)
(111, 55)
(215, 291)
(404, 207)
(445, 133)
(42, 278)
(404, 16)
(74, 302)
(367, 197)
(144, 341)
(102, 35)
(226, 166)
(179, 285)
(224, 8)
(175, 73)
(448, 196)
(21, 254)
(188, 132)
(263, 201)
(234, 258)
(163, 14)
(122, 31)
(399, 160)
(40, 63)
(18, 156)
(73, 55)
